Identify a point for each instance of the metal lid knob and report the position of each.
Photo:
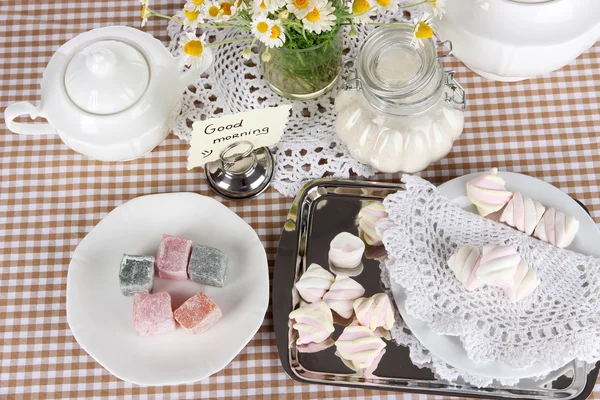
(242, 172)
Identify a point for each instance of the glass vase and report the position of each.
(304, 74)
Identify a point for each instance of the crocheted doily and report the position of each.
(309, 148)
(558, 322)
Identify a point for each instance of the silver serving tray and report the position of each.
(322, 209)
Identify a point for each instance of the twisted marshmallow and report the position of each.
(525, 282)
(556, 228)
(374, 312)
(346, 250)
(498, 265)
(313, 322)
(488, 193)
(359, 345)
(523, 213)
(368, 218)
(464, 263)
(314, 283)
(342, 294)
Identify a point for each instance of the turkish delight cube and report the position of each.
(136, 274)
(208, 266)
(153, 314)
(198, 313)
(172, 257)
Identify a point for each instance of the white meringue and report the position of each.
(314, 323)
(523, 213)
(374, 312)
(359, 345)
(346, 250)
(525, 282)
(314, 283)
(498, 265)
(464, 263)
(342, 294)
(556, 228)
(488, 193)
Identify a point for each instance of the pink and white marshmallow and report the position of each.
(487, 192)
(556, 228)
(525, 282)
(523, 213)
(342, 294)
(314, 323)
(369, 216)
(498, 265)
(464, 263)
(359, 346)
(346, 250)
(374, 312)
(314, 283)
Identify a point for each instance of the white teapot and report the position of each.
(110, 93)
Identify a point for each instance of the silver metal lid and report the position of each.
(242, 172)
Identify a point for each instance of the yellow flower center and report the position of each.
(213, 11)
(301, 3)
(262, 27)
(144, 12)
(383, 3)
(194, 48)
(423, 30)
(433, 3)
(263, 5)
(198, 2)
(191, 15)
(275, 31)
(226, 8)
(314, 15)
(360, 6)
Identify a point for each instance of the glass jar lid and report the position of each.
(397, 77)
(106, 77)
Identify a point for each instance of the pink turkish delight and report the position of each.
(152, 314)
(172, 258)
(198, 313)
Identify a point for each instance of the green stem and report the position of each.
(228, 41)
(214, 26)
(413, 5)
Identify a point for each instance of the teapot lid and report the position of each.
(106, 77)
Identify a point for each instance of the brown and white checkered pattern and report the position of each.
(50, 197)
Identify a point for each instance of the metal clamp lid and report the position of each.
(458, 98)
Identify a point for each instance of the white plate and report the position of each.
(101, 317)
(449, 348)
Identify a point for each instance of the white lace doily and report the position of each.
(309, 148)
(560, 321)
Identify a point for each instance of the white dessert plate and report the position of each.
(101, 318)
(449, 348)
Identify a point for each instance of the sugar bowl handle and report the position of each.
(23, 108)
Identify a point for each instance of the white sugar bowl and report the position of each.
(110, 93)
(511, 40)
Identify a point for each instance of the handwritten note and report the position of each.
(262, 127)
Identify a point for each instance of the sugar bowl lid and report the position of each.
(106, 77)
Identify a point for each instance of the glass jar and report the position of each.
(400, 111)
(303, 74)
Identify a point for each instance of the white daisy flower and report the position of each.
(363, 10)
(193, 5)
(261, 27)
(145, 12)
(192, 48)
(319, 19)
(438, 7)
(277, 35)
(388, 5)
(219, 10)
(191, 18)
(301, 7)
(422, 30)
(267, 6)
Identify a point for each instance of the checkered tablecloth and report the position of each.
(50, 197)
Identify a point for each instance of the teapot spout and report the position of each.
(196, 69)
